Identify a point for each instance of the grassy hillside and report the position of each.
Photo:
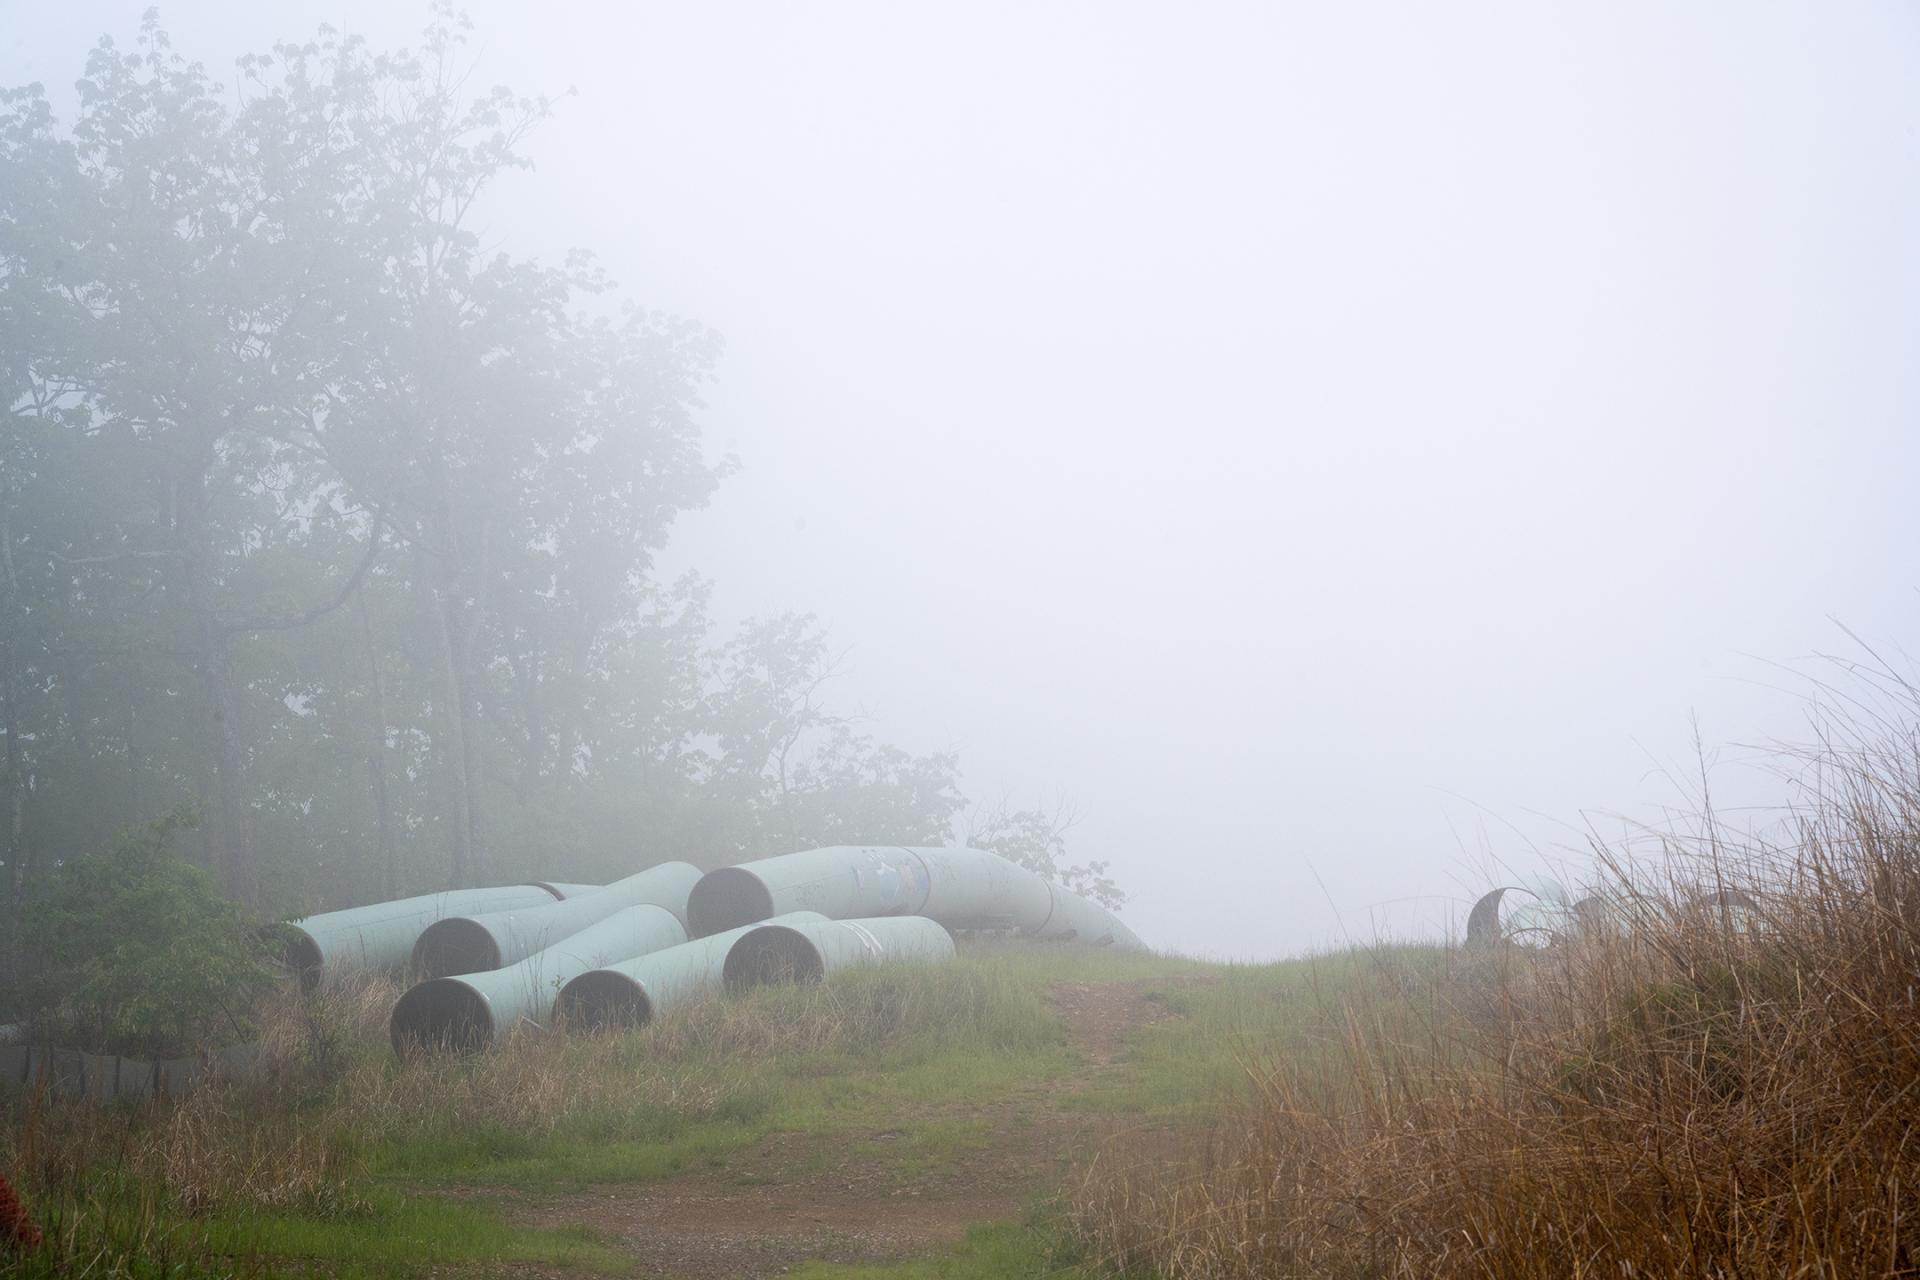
(1719, 1074)
(1716, 1074)
(341, 1158)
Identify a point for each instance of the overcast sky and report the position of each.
(1335, 446)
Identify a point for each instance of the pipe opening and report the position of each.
(727, 899)
(771, 956)
(455, 946)
(441, 1016)
(302, 956)
(600, 999)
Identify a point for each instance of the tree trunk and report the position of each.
(16, 796)
(385, 852)
(226, 841)
(130, 695)
(526, 669)
(456, 756)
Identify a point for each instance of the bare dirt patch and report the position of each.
(1100, 1016)
(797, 1197)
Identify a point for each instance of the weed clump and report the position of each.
(1679, 1088)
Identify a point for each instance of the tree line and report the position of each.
(327, 523)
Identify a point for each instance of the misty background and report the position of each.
(1334, 448)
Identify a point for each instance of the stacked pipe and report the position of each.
(961, 888)
(801, 916)
(620, 955)
(325, 947)
(474, 943)
(792, 950)
(631, 992)
(472, 999)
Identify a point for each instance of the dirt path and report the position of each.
(797, 1197)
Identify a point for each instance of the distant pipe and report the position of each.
(629, 993)
(1483, 921)
(326, 946)
(475, 1010)
(480, 943)
(1072, 918)
(807, 951)
(960, 888)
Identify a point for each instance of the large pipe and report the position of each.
(809, 950)
(1072, 918)
(961, 888)
(481, 943)
(333, 943)
(478, 1009)
(631, 992)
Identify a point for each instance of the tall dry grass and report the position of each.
(329, 1097)
(242, 1143)
(1692, 1087)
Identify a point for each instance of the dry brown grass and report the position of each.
(1688, 1091)
(212, 1149)
(328, 1094)
(245, 1143)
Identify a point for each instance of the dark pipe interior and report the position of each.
(443, 1015)
(775, 954)
(603, 999)
(303, 957)
(455, 946)
(727, 899)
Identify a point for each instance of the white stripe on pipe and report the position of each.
(871, 943)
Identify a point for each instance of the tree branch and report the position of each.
(115, 558)
(318, 612)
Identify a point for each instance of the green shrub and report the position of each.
(130, 950)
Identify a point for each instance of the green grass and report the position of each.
(994, 1251)
(404, 1232)
(1186, 1067)
(821, 1092)
(893, 1066)
(980, 1028)
(389, 1235)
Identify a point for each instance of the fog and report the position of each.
(1338, 450)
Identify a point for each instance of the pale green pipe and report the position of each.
(808, 951)
(480, 943)
(1072, 918)
(841, 882)
(331, 944)
(477, 1009)
(961, 888)
(631, 992)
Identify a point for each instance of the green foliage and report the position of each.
(1037, 840)
(129, 950)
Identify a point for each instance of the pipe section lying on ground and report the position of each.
(325, 946)
(807, 951)
(960, 888)
(1072, 918)
(475, 1010)
(481, 943)
(630, 993)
